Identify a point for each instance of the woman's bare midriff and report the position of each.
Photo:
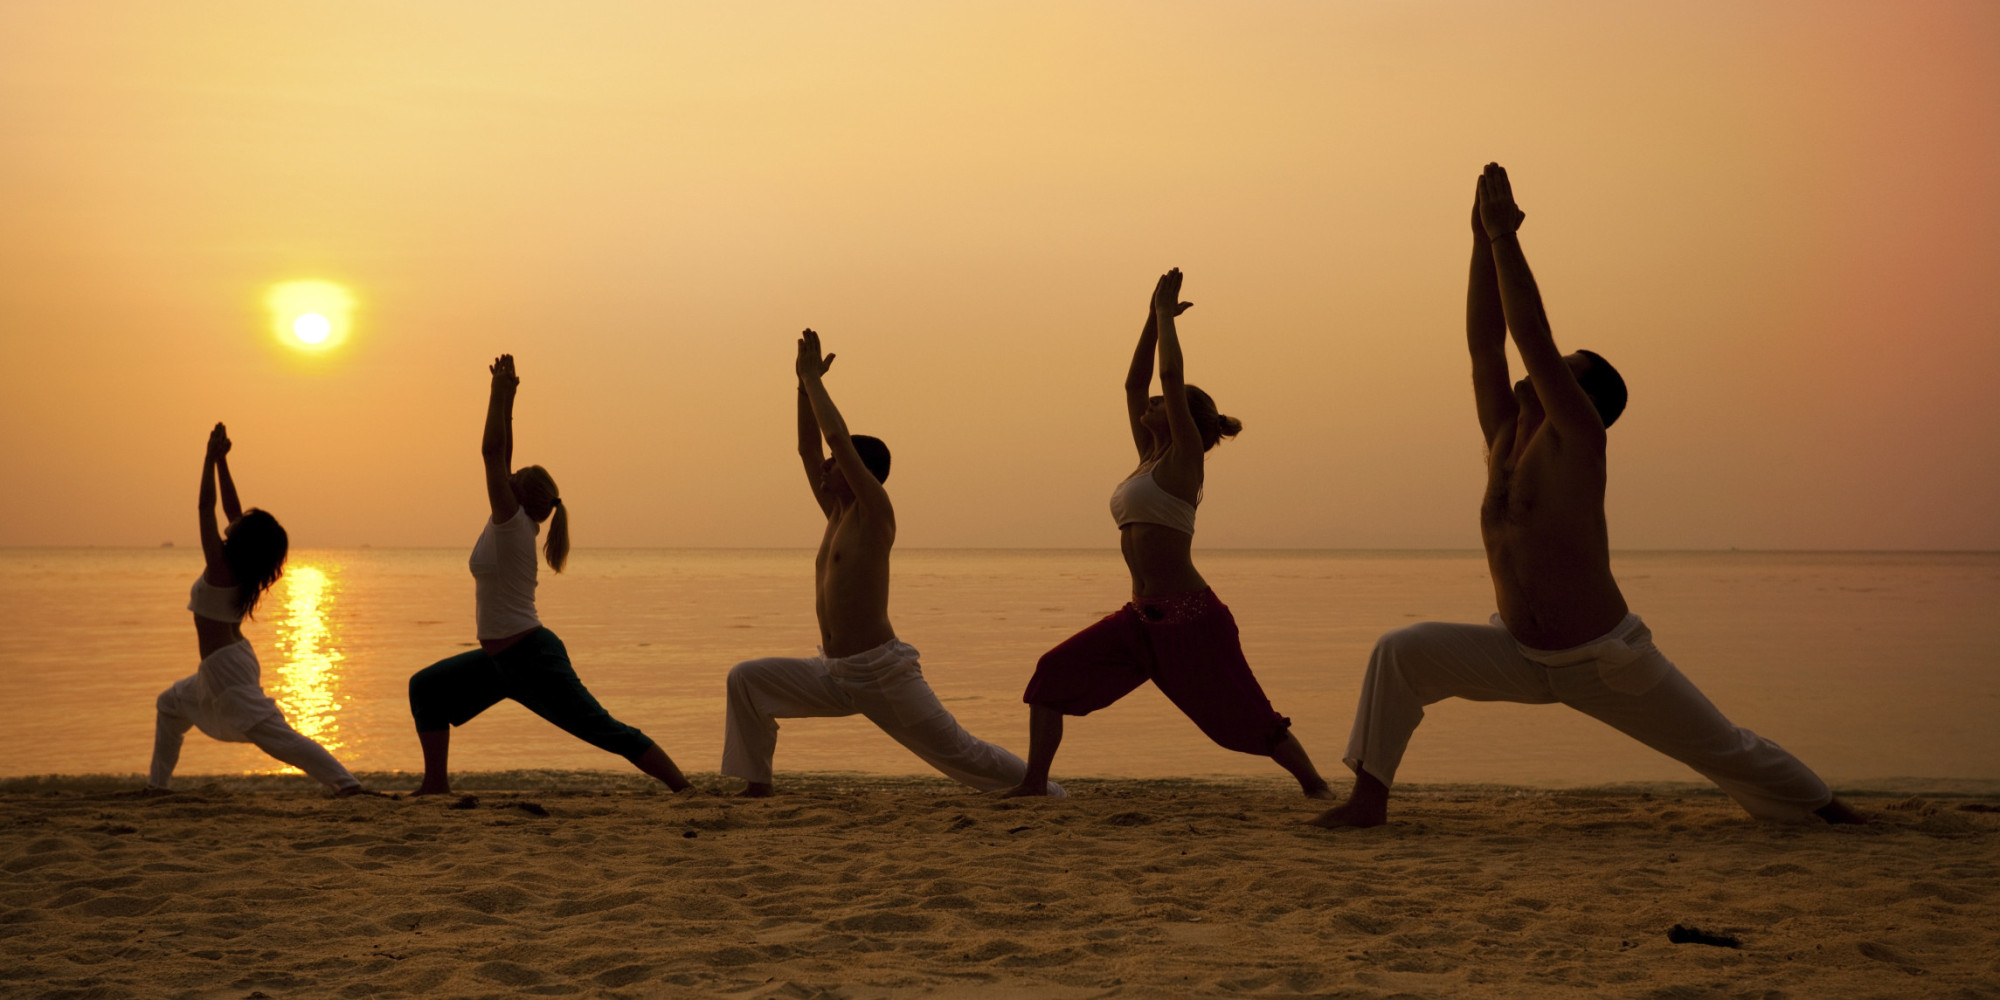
(213, 635)
(1160, 559)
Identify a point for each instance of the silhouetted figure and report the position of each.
(517, 658)
(1175, 632)
(862, 667)
(1563, 632)
(225, 696)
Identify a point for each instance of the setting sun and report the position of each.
(312, 328)
(310, 315)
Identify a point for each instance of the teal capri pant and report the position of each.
(534, 672)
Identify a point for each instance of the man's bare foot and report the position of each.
(1026, 790)
(1367, 805)
(756, 790)
(430, 788)
(1840, 813)
(1321, 792)
(1356, 815)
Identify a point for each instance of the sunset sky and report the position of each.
(1782, 221)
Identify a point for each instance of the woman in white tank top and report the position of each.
(517, 657)
(1175, 632)
(225, 696)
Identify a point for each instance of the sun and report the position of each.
(310, 315)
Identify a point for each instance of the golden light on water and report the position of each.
(310, 315)
(308, 688)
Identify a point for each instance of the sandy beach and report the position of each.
(585, 884)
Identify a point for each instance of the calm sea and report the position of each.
(1867, 665)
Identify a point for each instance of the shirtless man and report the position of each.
(1563, 633)
(862, 666)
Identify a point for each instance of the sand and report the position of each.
(594, 885)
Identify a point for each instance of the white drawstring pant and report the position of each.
(1620, 679)
(225, 698)
(886, 684)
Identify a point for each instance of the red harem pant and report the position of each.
(1187, 645)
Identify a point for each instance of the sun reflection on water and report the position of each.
(308, 688)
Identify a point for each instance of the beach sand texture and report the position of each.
(856, 887)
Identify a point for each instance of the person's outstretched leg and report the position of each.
(1199, 666)
(536, 672)
(1672, 716)
(1417, 666)
(1291, 756)
(655, 762)
(275, 736)
(445, 694)
(901, 703)
(760, 693)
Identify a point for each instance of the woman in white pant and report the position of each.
(225, 697)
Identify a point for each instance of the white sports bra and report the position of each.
(212, 602)
(1141, 500)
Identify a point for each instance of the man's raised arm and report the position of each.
(810, 452)
(869, 495)
(1567, 405)
(1486, 336)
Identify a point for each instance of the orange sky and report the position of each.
(1780, 220)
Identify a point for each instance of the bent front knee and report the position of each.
(742, 679)
(1422, 635)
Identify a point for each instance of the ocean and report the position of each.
(1868, 666)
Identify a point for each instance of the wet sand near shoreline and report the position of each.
(593, 885)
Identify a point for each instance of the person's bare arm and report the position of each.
(1139, 383)
(1139, 378)
(1568, 406)
(216, 569)
(869, 496)
(811, 454)
(496, 446)
(1180, 472)
(232, 509)
(1486, 336)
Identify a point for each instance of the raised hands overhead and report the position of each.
(1167, 295)
(1498, 215)
(503, 372)
(810, 365)
(218, 441)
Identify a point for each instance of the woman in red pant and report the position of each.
(1175, 632)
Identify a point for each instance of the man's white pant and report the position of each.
(886, 684)
(1621, 680)
(226, 699)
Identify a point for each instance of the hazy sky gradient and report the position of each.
(1780, 220)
